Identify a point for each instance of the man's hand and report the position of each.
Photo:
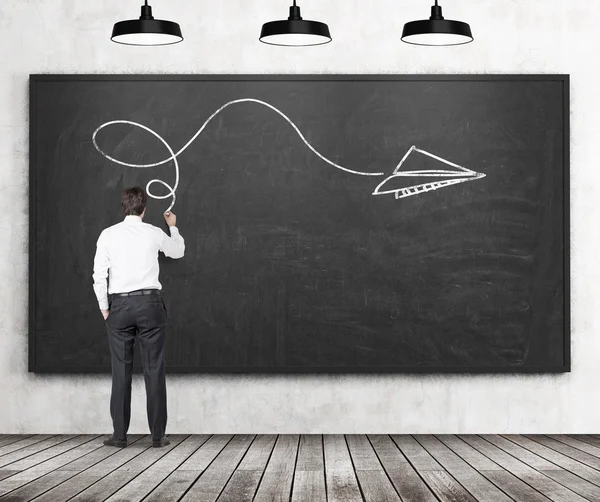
(170, 218)
(105, 314)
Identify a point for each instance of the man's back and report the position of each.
(129, 252)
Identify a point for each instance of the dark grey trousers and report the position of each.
(143, 318)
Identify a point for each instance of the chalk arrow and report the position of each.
(459, 175)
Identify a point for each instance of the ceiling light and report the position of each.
(436, 30)
(146, 30)
(295, 31)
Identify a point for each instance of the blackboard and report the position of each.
(304, 252)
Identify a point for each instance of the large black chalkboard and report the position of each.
(293, 264)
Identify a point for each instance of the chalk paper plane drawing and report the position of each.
(457, 175)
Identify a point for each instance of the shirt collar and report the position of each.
(132, 219)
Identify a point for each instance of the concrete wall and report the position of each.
(513, 36)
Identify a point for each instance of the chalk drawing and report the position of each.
(459, 175)
(468, 175)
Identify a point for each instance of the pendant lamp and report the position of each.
(295, 31)
(436, 30)
(146, 30)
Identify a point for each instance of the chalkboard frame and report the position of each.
(34, 79)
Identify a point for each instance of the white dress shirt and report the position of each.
(127, 253)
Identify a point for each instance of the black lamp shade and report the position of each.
(146, 30)
(295, 31)
(436, 30)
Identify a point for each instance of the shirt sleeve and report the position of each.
(101, 266)
(174, 246)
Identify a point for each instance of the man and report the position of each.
(132, 306)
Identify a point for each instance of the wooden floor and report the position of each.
(311, 468)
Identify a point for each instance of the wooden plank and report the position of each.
(149, 479)
(469, 454)
(104, 487)
(405, 479)
(149, 457)
(85, 479)
(550, 488)
(173, 488)
(515, 488)
(13, 438)
(7, 473)
(188, 472)
(116, 479)
(309, 486)
(469, 478)
(341, 482)
(246, 478)
(337, 455)
(578, 444)
(420, 459)
(202, 458)
(587, 439)
(283, 458)
(446, 487)
(276, 484)
(310, 453)
(362, 453)
(32, 469)
(553, 490)
(409, 484)
(96, 456)
(33, 450)
(309, 478)
(342, 486)
(77, 483)
(210, 484)
(566, 450)
(52, 458)
(241, 487)
(386, 450)
(31, 490)
(24, 443)
(373, 481)
(524, 455)
(376, 487)
(258, 454)
(558, 459)
(491, 448)
(575, 483)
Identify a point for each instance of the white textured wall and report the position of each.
(512, 36)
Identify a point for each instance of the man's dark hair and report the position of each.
(134, 201)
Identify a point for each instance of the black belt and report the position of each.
(140, 292)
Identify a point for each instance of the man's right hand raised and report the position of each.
(170, 218)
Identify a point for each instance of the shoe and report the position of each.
(113, 441)
(159, 443)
